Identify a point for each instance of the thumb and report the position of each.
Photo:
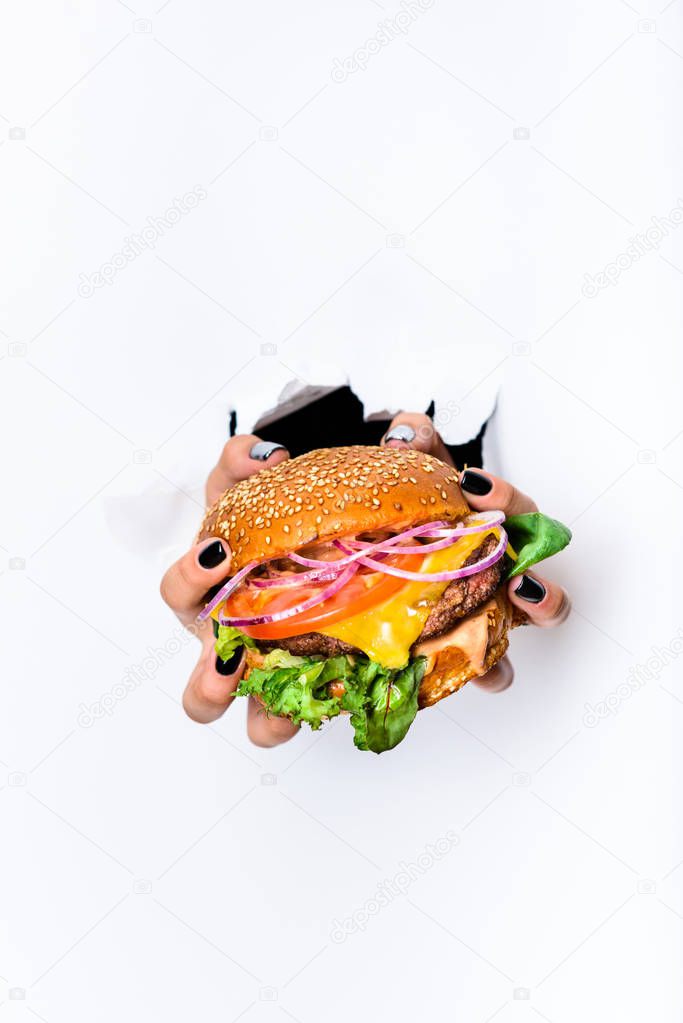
(416, 430)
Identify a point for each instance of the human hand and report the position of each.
(211, 686)
(544, 603)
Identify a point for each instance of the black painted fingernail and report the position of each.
(212, 555)
(232, 663)
(263, 449)
(531, 590)
(401, 432)
(474, 483)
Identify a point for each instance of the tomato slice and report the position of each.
(362, 591)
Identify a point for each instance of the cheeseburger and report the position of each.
(363, 583)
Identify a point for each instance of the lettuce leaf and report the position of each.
(228, 639)
(297, 692)
(534, 537)
(282, 659)
(391, 708)
(382, 702)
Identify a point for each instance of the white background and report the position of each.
(152, 869)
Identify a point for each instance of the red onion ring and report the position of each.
(427, 548)
(368, 554)
(487, 519)
(265, 619)
(490, 519)
(436, 577)
(225, 591)
(380, 545)
(298, 578)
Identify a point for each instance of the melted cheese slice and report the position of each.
(473, 636)
(387, 631)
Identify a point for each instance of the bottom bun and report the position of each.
(467, 651)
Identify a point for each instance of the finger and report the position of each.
(185, 584)
(212, 684)
(416, 430)
(241, 457)
(544, 603)
(500, 677)
(486, 492)
(267, 731)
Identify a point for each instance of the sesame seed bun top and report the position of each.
(329, 493)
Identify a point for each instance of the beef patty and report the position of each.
(458, 599)
(463, 595)
(310, 644)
